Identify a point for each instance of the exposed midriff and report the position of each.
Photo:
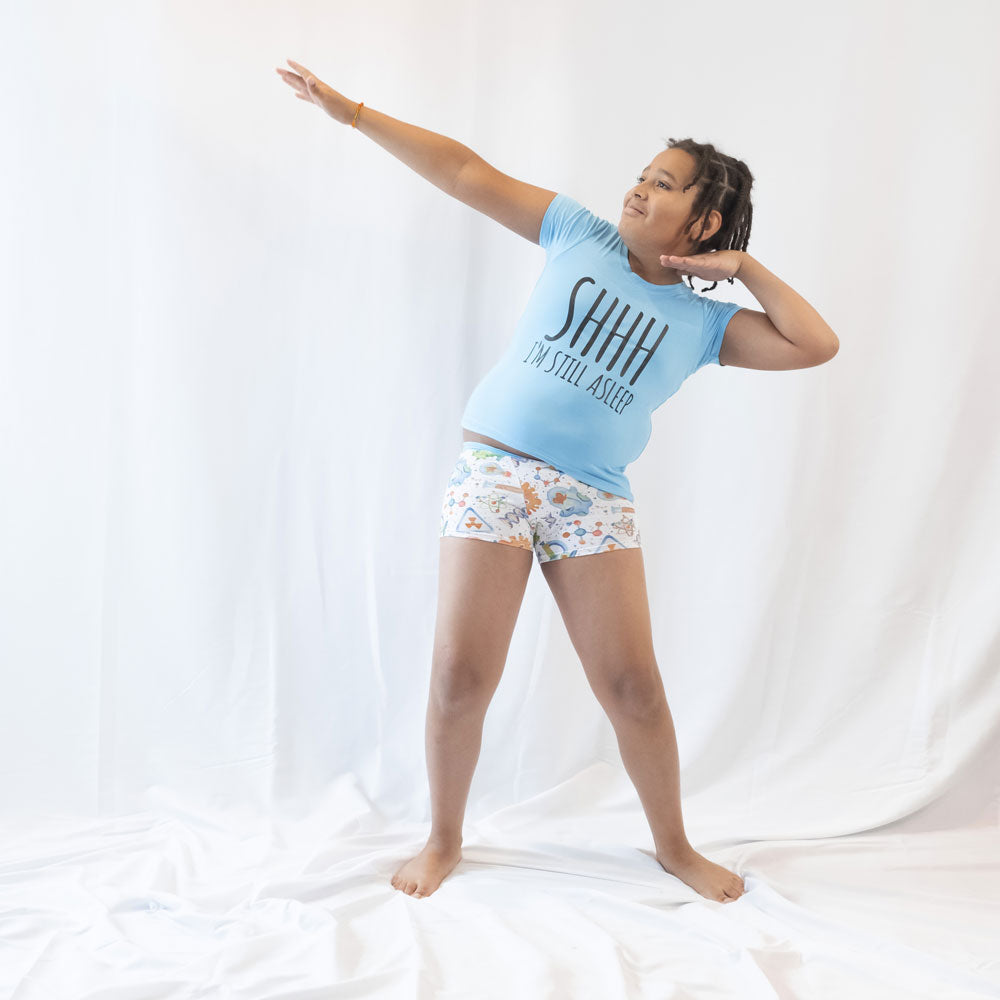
(473, 436)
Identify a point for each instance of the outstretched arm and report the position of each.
(435, 157)
(446, 163)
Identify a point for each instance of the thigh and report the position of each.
(485, 561)
(480, 589)
(604, 604)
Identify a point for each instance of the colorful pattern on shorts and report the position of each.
(518, 501)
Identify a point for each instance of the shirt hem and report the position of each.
(479, 428)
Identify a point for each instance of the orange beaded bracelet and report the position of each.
(354, 124)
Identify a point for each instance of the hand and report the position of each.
(310, 88)
(716, 265)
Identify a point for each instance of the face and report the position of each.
(665, 206)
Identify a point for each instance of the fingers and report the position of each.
(310, 81)
(300, 86)
(292, 80)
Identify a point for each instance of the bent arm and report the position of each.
(790, 333)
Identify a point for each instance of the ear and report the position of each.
(712, 222)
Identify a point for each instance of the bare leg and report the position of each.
(480, 588)
(648, 746)
(602, 599)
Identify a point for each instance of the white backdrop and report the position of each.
(236, 342)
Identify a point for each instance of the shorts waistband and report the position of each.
(482, 446)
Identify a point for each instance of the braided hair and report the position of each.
(723, 184)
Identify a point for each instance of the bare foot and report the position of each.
(704, 876)
(421, 875)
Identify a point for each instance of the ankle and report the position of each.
(675, 849)
(444, 840)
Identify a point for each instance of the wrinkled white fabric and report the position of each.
(236, 339)
(173, 904)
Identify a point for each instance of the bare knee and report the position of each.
(633, 692)
(458, 686)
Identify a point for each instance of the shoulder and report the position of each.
(716, 316)
(568, 222)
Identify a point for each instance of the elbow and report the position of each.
(829, 352)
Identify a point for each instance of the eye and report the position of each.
(640, 180)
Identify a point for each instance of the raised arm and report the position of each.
(445, 162)
(515, 204)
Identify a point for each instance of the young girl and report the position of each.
(610, 331)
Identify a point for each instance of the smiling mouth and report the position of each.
(632, 208)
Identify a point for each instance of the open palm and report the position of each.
(713, 266)
(309, 87)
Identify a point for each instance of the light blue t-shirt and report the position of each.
(596, 350)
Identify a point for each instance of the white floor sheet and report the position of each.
(179, 907)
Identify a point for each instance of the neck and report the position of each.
(653, 271)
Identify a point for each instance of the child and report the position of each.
(610, 331)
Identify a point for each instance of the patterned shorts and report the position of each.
(501, 497)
